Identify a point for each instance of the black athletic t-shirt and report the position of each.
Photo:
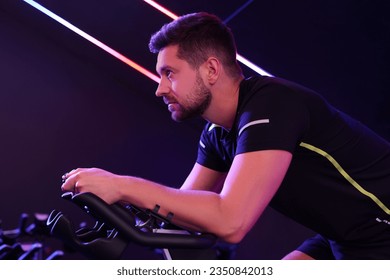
(338, 183)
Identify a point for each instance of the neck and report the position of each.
(223, 106)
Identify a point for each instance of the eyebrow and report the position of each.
(163, 69)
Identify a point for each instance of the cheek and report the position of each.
(183, 86)
(179, 89)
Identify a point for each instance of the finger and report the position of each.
(70, 173)
(70, 181)
(64, 177)
(74, 171)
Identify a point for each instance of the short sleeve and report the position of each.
(211, 150)
(273, 119)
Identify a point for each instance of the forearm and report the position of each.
(202, 211)
(197, 210)
(229, 214)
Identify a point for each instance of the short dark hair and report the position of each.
(199, 36)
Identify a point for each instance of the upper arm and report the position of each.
(203, 178)
(252, 181)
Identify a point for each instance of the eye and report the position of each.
(168, 74)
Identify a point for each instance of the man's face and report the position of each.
(181, 86)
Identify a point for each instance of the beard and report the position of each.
(198, 100)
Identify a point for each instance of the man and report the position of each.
(267, 141)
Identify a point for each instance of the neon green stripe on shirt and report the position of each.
(346, 175)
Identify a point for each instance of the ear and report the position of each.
(212, 68)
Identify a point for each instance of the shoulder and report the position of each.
(213, 131)
(264, 84)
(261, 97)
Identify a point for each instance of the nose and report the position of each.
(162, 89)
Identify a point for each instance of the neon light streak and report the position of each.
(161, 9)
(101, 45)
(240, 58)
(252, 66)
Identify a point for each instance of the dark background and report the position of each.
(64, 103)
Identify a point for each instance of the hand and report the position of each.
(97, 181)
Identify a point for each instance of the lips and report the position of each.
(173, 106)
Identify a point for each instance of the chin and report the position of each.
(180, 118)
(177, 117)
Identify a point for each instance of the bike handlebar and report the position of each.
(123, 227)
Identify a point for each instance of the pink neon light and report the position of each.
(93, 40)
(126, 60)
(161, 9)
